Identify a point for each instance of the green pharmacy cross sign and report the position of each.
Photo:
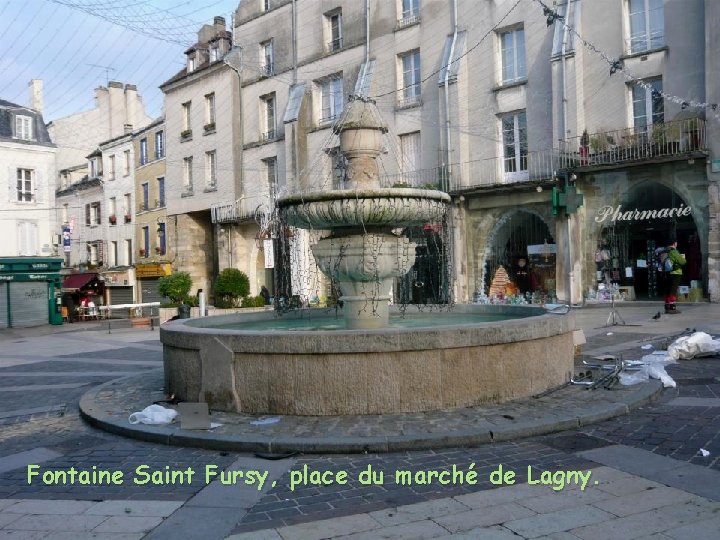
(567, 196)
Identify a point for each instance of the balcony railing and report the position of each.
(434, 178)
(409, 101)
(269, 135)
(409, 19)
(243, 209)
(335, 44)
(673, 138)
(267, 69)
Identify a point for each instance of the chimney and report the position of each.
(36, 95)
(219, 23)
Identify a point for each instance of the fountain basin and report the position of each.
(378, 207)
(422, 367)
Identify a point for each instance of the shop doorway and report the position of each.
(520, 259)
(625, 247)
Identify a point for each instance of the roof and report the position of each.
(78, 281)
(8, 112)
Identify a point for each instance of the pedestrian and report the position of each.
(265, 294)
(674, 277)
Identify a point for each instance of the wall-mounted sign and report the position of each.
(269, 251)
(618, 214)
(66, 239)
(153, 270)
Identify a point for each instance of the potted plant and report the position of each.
(142, 252)
(209, 127)
(186, 134)
(128, 217)
(112, 219)
(158, 250)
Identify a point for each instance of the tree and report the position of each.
(175, 286)
(231, 285)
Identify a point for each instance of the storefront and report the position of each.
(119, 286)
(148, 278)
(30, 291)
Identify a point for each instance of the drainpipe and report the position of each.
(448, 167)
(367, 31)
(563, 69)
(294, 39)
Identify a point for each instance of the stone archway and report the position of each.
(645, 216)
(502, 236)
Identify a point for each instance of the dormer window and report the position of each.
(191, 64)
(23, 128)
(214, 53)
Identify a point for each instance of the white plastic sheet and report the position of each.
(698, 344)
(652, 366)
(153, 414)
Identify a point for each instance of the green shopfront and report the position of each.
(30, 291)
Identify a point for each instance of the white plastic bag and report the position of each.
(698, 344)
(153, 414)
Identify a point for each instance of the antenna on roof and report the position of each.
(107, 69)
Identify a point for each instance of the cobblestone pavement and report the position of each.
(41, 426)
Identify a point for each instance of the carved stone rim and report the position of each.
(375, 193)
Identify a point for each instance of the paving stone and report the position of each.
(625, 486)
(4, 503)
(485, 517)
(23, 459)
(406, 531)
(128, 524)
(196, 522)
(134, 508)
(50, 507)
(484, 533)
(94, 536)
(563, 499)
(641, 502)
(270, 534)
(7, 519)
(330, 527)
(562, 520)
(418, 511)
(705, 529)
(493, 497)
(23, 535)
(645, 523)
(78, 523)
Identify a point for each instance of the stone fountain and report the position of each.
(361, 253)
(303, 364)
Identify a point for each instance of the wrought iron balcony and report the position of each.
(269, 135)
(335, 44)
(242, 210)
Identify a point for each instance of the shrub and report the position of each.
(253, 301)
(175, 286)
(231, 285)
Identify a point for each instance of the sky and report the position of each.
(74, 46)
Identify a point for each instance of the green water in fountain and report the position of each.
(331, 322)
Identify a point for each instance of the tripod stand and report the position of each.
(614, 315)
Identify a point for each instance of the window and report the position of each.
(210, 111)
(410, 12)
(143, 151)
(214, 53)
(27, 238)
(265, 5)
(512, 55)
(23, 128)
(186, 125)
(111, 164)
(128, 252)
(647, 25)
(144, 205)
(271, 176)
(113, 255)
(648, 104)
(25, 191)
(410, 91)
(112, 210)
(128, 207)
(268, 118)
(191, 64)
(161, 242)
(92, 214)
(159, 145)
(210, 169)
(94, 172)
(514, 140)
(92, 252)
(187, 174)
(127, 162)
(410, 155)
(331, 103)
(146, 240)
(334, 31)
(266, 57)
(161, 191)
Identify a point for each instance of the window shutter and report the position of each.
(87, 214)
(293, 107)
(99, 217)
(457, 53)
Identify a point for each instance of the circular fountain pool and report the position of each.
(264, 364)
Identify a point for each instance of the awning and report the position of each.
(77, 281)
